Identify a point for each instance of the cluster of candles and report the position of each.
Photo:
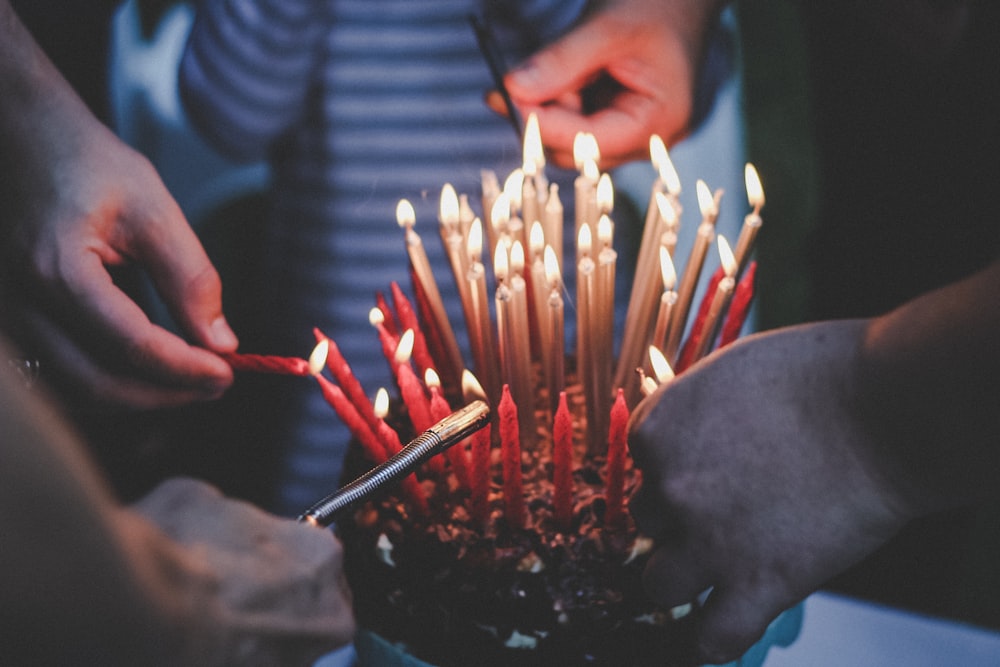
(526, 330)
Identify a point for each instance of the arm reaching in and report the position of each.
(76, 202)
(191, 579)
(787, 457)
(626, 72)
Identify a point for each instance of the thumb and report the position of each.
(565, 66)
(185, 277)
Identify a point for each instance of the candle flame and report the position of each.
(667, 270)
(584, 149)
(534, 155)
(647, 385)
(590, 170)
(755, 191)
(706, 203)
(501, 211)
(449, 206)
(536, 239)
(471, 388)
(551, 268)
(664, 165)
(726, 256)
(405, 215)
(376, 317)
(404, 349)
(500, 263)
(604, 231)
(661, 367)
(585, 239)
(475, 241)
(667, 210)
(517, 258)
(381, 406)
(512, 188)
(605, 194)
(431, 379)
(317, 359)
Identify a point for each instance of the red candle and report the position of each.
(390, 439)
(389, 317)
(444, 360)
(562, 462)
(342, 373)
(408, 319)
(698, 327)
(376, 316)
(410, 387)
(480, 473)
(740, 307)
(615, 515)
(375, 450)
(439, 410)
(266, 363)
(510, 441)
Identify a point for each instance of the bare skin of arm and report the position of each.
(782, 460)
(191, 578)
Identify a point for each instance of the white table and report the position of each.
(843, 632)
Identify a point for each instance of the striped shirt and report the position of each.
(355, 105)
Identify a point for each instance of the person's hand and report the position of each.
(760, 481)
(77, 201)
(628, 71)
(279, 587)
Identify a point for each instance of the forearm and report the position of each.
(110, 588)
(247, 70)
(929, 386)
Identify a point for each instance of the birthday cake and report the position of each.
(451, 589)
(515, 546)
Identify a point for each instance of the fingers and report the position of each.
(169, 249)
(99, 341)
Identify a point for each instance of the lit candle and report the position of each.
(692, 270)
(586, 154)
(481, 446)
(740, 307)
(643, 300)
(409, 385)
(266, 363)
(478, 316)
(342, 373)
(562, 464)
(661, 367)
(752, 222)
(408, 319)
(555, 371)
(690, 347)
(510, 441)
(346, 409)
(499, 217)
(424, 278)
(539, 295)
(533, 164)
(439, 410)
(553, 221)
(614, 516)
(720, 302)
(390, 440)
(585, 331)
(491, 190)
(515, 224)
(603, 318)
(453, 237)
(522, 383)
(667, 299)
(389, 317)
(376, 317)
